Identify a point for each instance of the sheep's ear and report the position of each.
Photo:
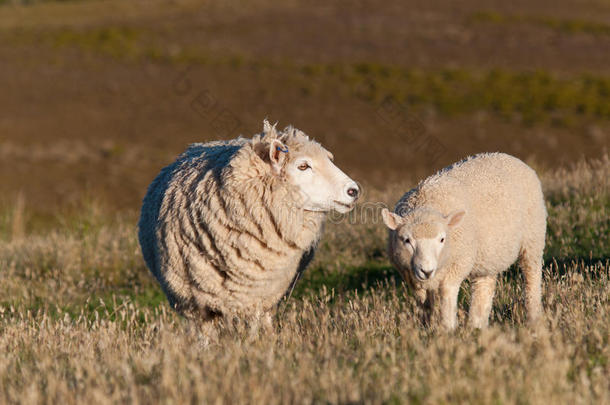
(278, 152)
(455, 217)
(390, 219)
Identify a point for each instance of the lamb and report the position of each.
(227, 228)
(474, 219)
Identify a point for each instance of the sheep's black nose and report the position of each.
(353, 192)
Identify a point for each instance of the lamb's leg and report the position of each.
(531, 265)
(425, 304)
(483, 289)
(449, 294)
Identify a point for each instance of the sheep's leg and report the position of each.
(267, 321)
(483, 289)
(206, 333)
(531, 265)
(449, 294)
(260, 321)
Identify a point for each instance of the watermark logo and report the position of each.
(402, 128)
(223, 121)
(410, 129)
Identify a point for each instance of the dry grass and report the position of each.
(82, 321)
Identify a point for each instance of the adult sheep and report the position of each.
(473, 219)
(227, 227)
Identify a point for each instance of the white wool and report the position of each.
(498, 208)
(223, 229)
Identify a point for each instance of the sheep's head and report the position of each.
(419, 241)
(309, 168)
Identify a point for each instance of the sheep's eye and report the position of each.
(407, 241)
(304, 166)
(442, 240)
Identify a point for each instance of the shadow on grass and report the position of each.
(361, 278)
(351, 279)
(579, 263)
(106, 305)
(592, 267)
(344, 282)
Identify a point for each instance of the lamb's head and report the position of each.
(420, 241)
(309, 168)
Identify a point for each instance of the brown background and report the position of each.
(85, 117)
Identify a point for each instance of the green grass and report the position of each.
(351, 279)
(579, 224)
(115, 41)
(567, 26)
(526, 97)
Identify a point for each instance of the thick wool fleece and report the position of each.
(505, 220)
(222, 233)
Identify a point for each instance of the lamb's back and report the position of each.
(502, 197)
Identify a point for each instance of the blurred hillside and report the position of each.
(97, 96)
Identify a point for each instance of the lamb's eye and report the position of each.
(304, 166)
(442, 240)
(407, 241)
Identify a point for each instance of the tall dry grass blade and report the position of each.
(18, 218)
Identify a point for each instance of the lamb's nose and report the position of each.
(353, 192)
(427, 274)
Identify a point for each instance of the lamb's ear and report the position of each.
(455, 217)
(278, 152)
(390, 219)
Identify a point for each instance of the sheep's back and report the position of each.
(210, 246)
(166, 213)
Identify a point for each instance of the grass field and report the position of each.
(81, 320)
(97, 96)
